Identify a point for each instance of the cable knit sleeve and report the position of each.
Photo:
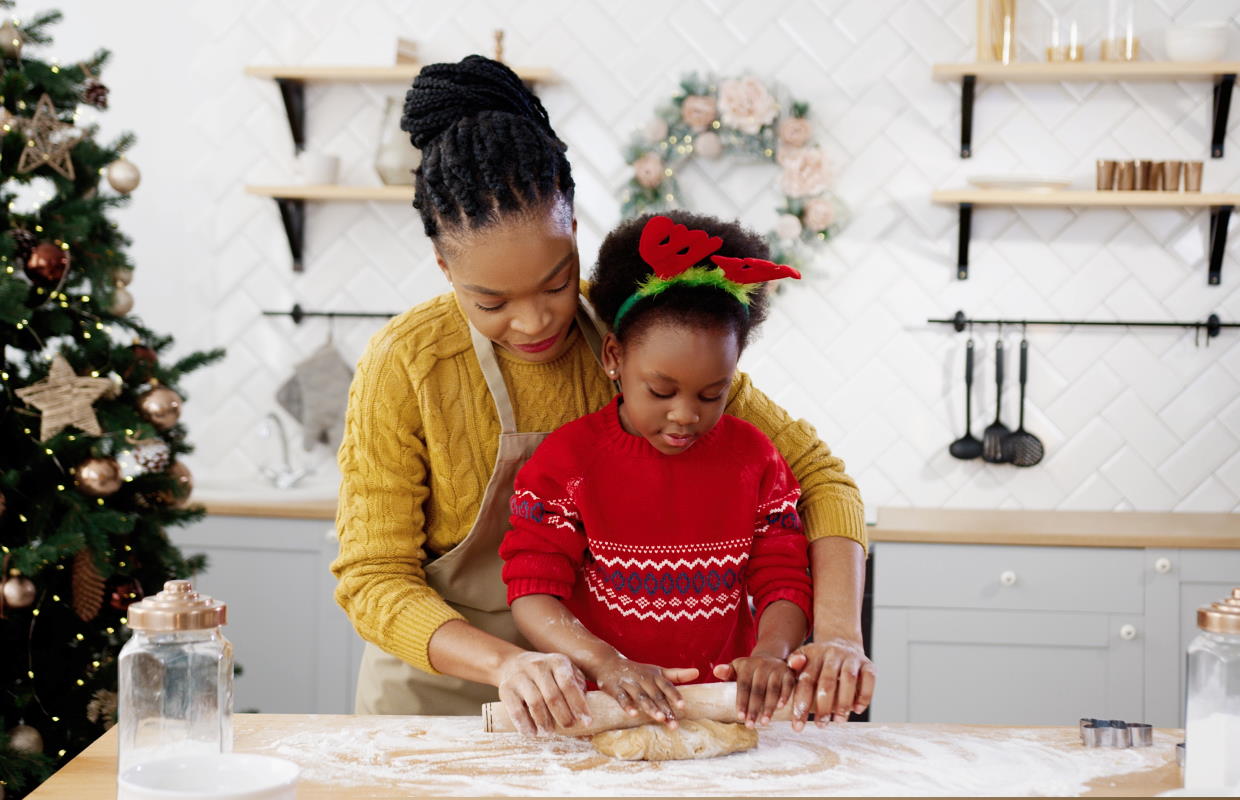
(830, 502)
(380, 519)
(544, 549)
(779, 558)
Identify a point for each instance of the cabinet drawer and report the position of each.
(1102, 579)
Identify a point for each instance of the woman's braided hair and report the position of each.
(488, 149)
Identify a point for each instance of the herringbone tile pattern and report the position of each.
(1131, 420)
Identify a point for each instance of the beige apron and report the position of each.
(468, 575)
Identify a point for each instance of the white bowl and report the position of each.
(1201, 41)
(225, 776)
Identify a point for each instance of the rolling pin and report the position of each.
(715, 701)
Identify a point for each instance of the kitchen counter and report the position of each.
(397, 757)
(257, 498)
(1058, 528)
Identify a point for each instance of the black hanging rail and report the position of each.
(1211, 325)
(298, 314)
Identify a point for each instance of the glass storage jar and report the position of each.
(175, 678)
(1212, 715)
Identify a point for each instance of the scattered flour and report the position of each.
(451, 755)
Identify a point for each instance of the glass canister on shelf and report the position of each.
(1212, 713)
(1065, 43)
(1000, 30)
(1120, 41)
(395, 157)
(175, 678)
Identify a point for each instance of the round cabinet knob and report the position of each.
(1128, 632)
(1007, 577)
(1162, 566)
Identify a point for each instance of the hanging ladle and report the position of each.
(967, 447)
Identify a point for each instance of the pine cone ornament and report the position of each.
(87, 586)
(23, 243)
(95, 94)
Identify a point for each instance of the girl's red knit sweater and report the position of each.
(658, 555)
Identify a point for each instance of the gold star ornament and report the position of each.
(48, 141)
(65, 399)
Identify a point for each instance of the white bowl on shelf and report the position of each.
(1198, 41)
(223, 776)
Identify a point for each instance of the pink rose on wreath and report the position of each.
(787, 227)
(795, 131)
(655, 130)
(805, 174)
(708, 145)
(746, 105)
(698, 111)
(785, 155)
(648, 170)
(819, 214)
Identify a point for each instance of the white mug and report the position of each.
(318, 169)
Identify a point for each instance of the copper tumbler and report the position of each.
(1192, 176)
(1106, 174)
(1142, 179)
(1125, 175)
(1156, 176)
(1171, 175)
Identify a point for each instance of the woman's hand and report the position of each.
(834, 679)
(643, 687)
(541, 690)
(763, 684)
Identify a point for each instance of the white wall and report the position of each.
(1131, 420)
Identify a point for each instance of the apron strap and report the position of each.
(592, 330)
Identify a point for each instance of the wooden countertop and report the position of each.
(397, 757)
(319, 508)
(1058, 528)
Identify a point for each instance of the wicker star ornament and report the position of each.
(49, 142)
(65, 399)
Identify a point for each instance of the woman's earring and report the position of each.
(611, 372)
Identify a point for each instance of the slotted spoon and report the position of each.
(996, 432)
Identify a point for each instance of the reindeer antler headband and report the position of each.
(676, 253)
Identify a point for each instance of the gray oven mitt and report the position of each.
(316, 395)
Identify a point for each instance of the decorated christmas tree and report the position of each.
(89, 414)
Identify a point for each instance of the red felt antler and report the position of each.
(753, 270)
(670, 249)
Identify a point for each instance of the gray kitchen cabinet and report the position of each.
(1025, 635)
(297, 650)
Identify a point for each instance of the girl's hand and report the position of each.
(763, 684)
(643, 687)
(541, 690)
(834, 679)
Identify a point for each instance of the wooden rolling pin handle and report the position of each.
(715, 701)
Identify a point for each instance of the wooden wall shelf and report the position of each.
(1220, 205)
(291, 200)
(1223, 73)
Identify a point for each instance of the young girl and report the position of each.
(452, 396)
(652, 521)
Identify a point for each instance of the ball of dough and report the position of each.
(694, 738)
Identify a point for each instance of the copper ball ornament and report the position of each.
(161, 407)
(25, 739)
(19, 592)
(178, 497)
(123, 276)
(98, 477)
(122, 301)
(123, 175)
(47, 264)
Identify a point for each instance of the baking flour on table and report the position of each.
(451, 755)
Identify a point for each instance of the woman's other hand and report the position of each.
(541, 691)
(834, 679)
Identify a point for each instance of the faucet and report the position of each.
(284, 476)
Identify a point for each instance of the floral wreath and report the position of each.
(738, 117)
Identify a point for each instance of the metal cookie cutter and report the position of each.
(1115, 733)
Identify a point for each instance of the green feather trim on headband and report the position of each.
(653, 286)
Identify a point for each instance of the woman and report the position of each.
(453, 396)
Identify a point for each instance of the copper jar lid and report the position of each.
(1221, 617)
(177, 608)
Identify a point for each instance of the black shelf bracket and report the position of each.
(967, 85)
(1219, 217)
(294, 94)
(293, 215)
(962, 246)
(1222, 106)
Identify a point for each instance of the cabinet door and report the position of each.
(268, 571)
(1006, 667)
